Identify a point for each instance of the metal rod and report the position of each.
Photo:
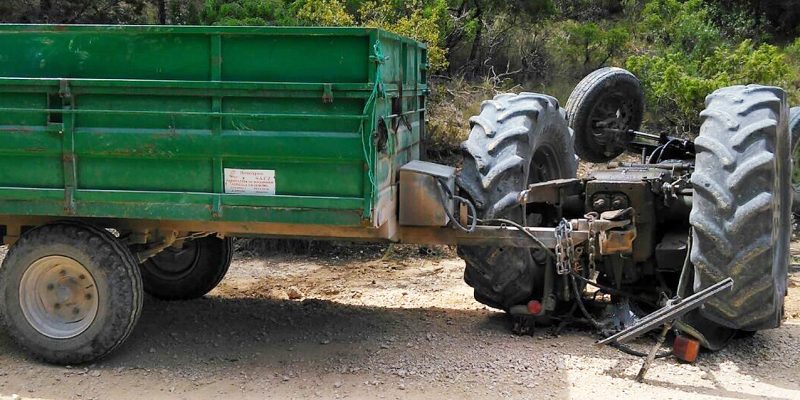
(652, 355)
(484, 236)
(637, 133)
(647, 135)
(669, 166)
(684, 278)
(671, 311)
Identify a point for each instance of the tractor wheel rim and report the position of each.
(613, 111)
(58, 297)
(544, 165)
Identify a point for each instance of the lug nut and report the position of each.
(75, 310)
(619, 202)
(57, 306)
(599, 203)
(82, 276)
(62, 272)
(88, 296)
(50, 286)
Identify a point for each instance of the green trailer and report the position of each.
(169, 123)
(170, 133)
(131, 155)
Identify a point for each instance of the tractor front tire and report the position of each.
(515, 141)
(741, 209)
(610, 96)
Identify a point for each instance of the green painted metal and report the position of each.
(140, 121)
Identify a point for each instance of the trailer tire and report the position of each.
(516, 140)
(741, 208)
(190, 272)
(608, 93)
(70, 293)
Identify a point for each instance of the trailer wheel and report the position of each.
(611, 97)
(189, 272)
(71, 293)
(516, 140)
(741, 208)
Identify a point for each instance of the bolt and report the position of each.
(88, 296)
(63, 272)
(599, 203)
(82, 276)
(50, 286)
(57, 306)
(619, 202)
(75, 310)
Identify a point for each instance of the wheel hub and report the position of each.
(58, 297)
(176, 263)
(613, 114)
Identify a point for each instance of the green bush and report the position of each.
(589, 46)
(323, 13)
(793, 56)
(676, 84)
(681, 26)
(246, 12)
(421, 20)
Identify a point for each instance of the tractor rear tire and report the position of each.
(516, 140)
(189, 272)
(741, 209)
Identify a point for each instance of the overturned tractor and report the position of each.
(684, 217)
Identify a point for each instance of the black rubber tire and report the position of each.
(794, 126)
(601, 87)
(794, 131)
(192, 278)
(516, 140)
(741, 206)
(118, 283)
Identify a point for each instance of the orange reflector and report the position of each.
(534, 307)
(685, 348)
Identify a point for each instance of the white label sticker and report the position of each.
(250, 181)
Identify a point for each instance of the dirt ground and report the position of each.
(396, 327)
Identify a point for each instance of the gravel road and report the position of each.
(368, 327)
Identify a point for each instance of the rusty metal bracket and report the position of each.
(617, 231)
(550, 192)
(216, 207)
(64, 91)
(68, 148)
(327, 93)
(169, 238)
